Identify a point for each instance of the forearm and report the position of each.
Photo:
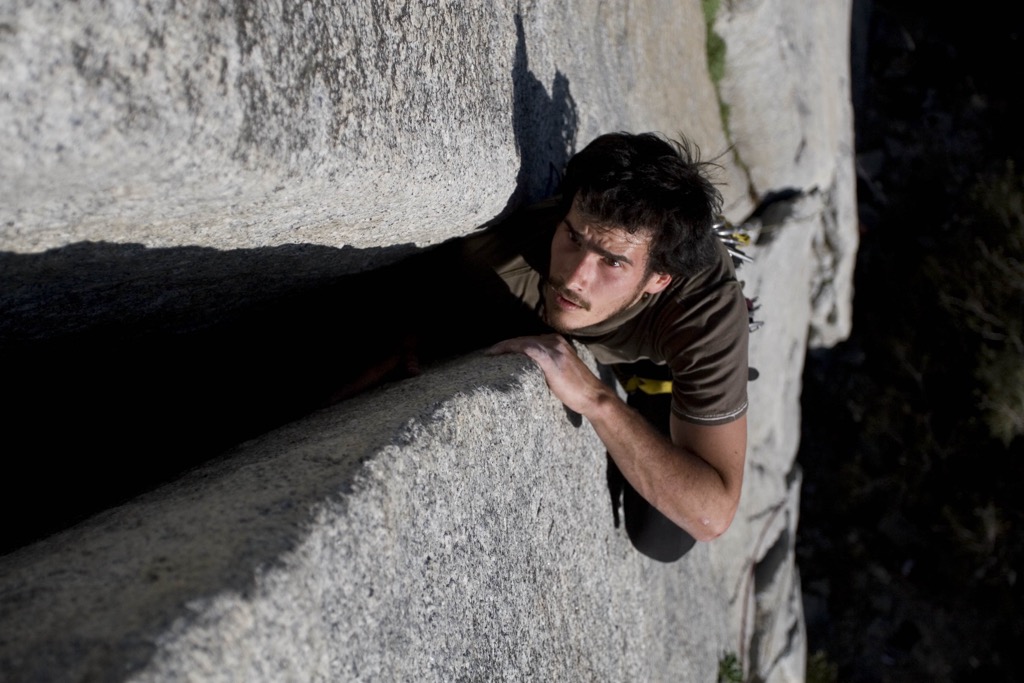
(694, 479)
(675, 480)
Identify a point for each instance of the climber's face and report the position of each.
(596, 272)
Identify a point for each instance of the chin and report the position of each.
(568, 324)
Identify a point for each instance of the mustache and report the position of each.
(558, 286)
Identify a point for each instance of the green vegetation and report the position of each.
(820, 669)
(985, 288)
(715, 44)
(716, 58)
(729, 668)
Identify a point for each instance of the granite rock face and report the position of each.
(420, 534)
(368, 124)
(164, 167)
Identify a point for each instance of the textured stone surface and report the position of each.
(243, 125)
(164, 162)
(452, 527)
(162, 166)
(748, 555)
(791, 119)
(787, 84)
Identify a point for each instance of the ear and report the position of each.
(657, 282)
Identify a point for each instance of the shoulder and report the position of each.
(716, 281)
(710, 301)
(702, 334)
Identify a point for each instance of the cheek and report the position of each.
(618, 281)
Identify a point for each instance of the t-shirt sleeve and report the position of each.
(706, 350)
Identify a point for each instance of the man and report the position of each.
(625, 261)
(634, 271)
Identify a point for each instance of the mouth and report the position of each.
(566, 300)
(565, 303)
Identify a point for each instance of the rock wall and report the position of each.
(164, 166)
(366, 125)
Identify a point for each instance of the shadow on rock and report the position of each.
(124, 367)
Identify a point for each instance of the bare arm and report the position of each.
(694, 479)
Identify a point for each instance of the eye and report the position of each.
(574, 236)
(612, 262)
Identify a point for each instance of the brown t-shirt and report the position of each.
(698, 326)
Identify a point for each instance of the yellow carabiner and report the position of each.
(651, 387)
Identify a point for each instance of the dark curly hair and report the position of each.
(647, 183)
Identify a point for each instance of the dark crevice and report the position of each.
(125, 366)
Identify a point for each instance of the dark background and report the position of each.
(910, 538)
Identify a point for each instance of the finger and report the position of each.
(539, 354)
(514, 345)
(501, 347)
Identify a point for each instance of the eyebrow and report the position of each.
(596, 248)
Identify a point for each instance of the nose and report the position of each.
(580, 271)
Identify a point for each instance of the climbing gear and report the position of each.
(752, 306)
(651, 387)
(735, 239)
